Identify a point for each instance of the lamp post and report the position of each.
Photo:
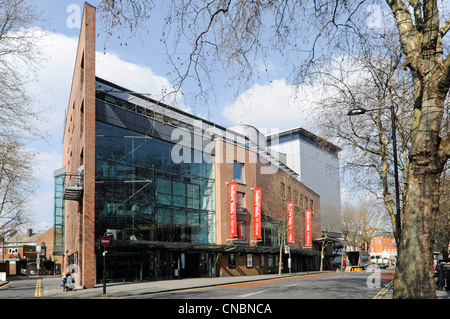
(359, 111)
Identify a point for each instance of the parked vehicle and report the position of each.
(357, 259)
(352, 259)
(443, 274)
(381, 265)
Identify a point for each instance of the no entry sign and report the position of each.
(105, 241)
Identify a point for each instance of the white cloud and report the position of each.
(140, 79)
(51, 95)
(275, 105)
(54, 78)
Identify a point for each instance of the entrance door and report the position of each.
(211, 264)
(192, 265)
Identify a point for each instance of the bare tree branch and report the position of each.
(444, 29)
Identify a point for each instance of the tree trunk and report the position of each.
(321, 254)
(414, 274)
(280, 259)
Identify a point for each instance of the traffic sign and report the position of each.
(105, 241)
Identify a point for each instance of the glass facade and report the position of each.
(159, 212)
(58, 215)
(141, 195)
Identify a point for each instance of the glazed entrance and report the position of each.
(155, 265)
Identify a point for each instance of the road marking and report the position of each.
(253, 293)
(37, 292)
(6, 284)
(246, 284)
(383, 291)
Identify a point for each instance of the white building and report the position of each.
(316, 161)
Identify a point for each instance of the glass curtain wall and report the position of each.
(142, 195)
(58, 248)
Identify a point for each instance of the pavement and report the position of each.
(52, 289)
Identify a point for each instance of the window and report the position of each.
(193, 196)
(240, 202)
(179, 194)
(238, 172)
(270, 261)
(249, 260)
(163, 191)
(232, 260)
(13, 250)
(241, 230)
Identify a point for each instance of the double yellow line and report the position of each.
(383, 291)
(37, 292)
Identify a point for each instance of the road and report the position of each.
(352, 285)
(328, 285)
(22, 288)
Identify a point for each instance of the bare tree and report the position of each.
(331, 223)
(19, 58)
(306, 34)
(17, 186)
(373, 83)
(361, 222)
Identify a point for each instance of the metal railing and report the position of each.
(73, 186)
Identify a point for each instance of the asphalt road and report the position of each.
(22, 287)
(329, 285)
(354, 285)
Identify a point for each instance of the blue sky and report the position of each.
(142, 66)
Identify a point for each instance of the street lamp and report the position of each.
(359, 111)
(356, 112)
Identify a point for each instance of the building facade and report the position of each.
(383, 249)
(174, 193)
(316, 161)
(30, 253)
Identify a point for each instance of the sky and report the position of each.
(140, 65)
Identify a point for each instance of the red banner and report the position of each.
(290, 222)
(257, 210)
(233, 196)
(308, 235)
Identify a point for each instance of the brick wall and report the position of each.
(79, 149)
(226, 154)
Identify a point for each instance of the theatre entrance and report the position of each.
(156, 265)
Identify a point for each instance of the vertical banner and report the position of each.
(257, 212)
(233, 196)
(308, 235)
(290, 222)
